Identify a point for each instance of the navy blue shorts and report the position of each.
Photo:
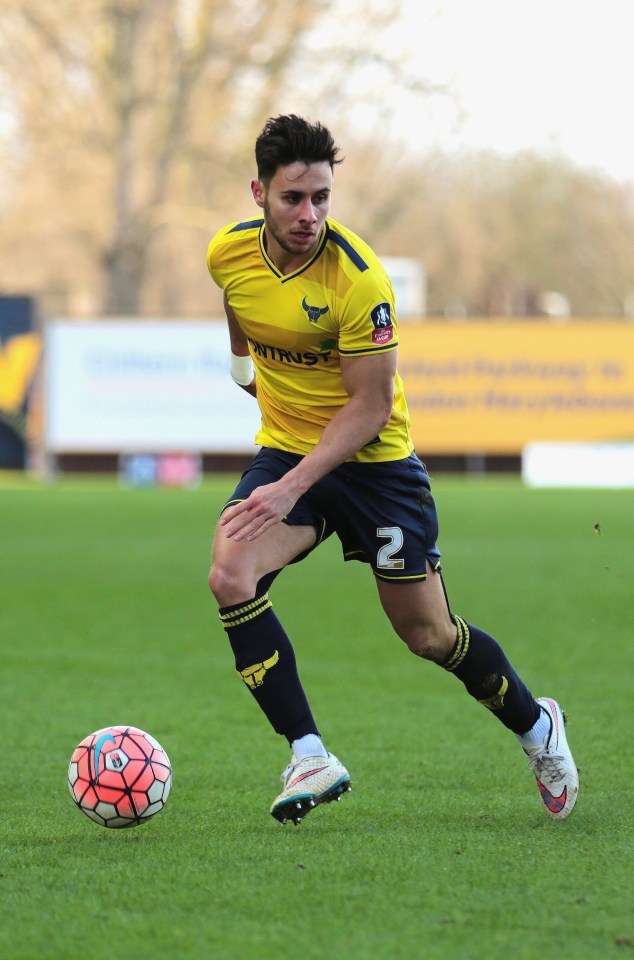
(383, 513)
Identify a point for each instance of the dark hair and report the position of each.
(287, 139)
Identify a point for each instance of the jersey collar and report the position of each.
(290, 276)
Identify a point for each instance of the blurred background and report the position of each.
(488, 163)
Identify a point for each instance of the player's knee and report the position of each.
(229, 584)
(215, 581)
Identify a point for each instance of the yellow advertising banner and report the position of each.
(493, 386)
(18, 360)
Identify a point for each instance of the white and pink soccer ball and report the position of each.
(120, 776)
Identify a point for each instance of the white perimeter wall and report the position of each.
(143, 386)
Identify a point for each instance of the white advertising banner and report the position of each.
(144, 385)
(590, 465)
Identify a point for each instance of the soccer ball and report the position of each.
(119, 776)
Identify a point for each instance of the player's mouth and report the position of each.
(302, 237)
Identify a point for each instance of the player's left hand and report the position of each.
(262, 509)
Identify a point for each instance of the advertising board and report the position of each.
(143, 386)
(494, 386)
(489, 387)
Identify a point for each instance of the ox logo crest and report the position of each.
(254, 676)
(497, 701)
(314, 313)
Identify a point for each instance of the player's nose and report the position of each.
(307, 213)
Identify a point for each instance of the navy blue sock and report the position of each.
(265, 660)
(479, 661)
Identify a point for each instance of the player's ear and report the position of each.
(257, 189)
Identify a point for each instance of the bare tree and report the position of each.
(497, 233)
(135, 116)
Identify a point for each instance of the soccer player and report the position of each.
(314, 338)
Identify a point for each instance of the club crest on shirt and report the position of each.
(382, 320)
(314, 313)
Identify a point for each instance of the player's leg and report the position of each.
(395, 531)
(240, 576)
(420, 615)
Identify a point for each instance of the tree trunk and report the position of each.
(124, 274)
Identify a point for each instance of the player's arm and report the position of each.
(369, 382)
(241, 365)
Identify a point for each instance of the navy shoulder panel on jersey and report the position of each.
(348, 249)
(247, 225)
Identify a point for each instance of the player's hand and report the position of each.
(265, 507)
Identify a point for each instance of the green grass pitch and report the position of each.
(441, 851)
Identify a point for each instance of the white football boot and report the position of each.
(552, 763)
(307, 783)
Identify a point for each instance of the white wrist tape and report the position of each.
(241, 370)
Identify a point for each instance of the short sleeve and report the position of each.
(368, 321)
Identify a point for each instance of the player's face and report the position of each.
(296, 203)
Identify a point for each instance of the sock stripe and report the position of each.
(246, 612)
(462, 645)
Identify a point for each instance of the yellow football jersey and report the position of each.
(339, 303)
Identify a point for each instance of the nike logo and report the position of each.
(97, 751)
(303, 776)
(553, 715)
(554, 804)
